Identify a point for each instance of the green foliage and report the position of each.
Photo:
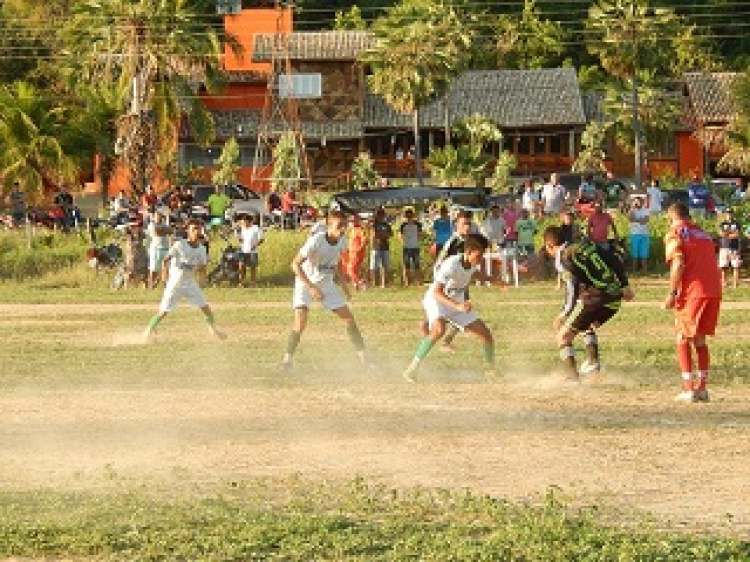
(23, 258)
(349, 20)
(505, 164)
(228, 162)
(287, 169)
(460, 166)
(527, 41)
(737, 159)
(592, 154)
(364, 173)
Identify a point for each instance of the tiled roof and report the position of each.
(512, 98)
(318, 45)
(710, 95)
(243, 124)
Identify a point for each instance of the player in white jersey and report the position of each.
(315, 268)
(445, 302)
(186, 261)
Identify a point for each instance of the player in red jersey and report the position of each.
(695, 296)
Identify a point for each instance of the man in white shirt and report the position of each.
(553, 196)
(655, 197)
(158, 246)
(530, 199)
(251, 236)
(640, 240)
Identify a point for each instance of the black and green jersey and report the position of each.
(590, 271)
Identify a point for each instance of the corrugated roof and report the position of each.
(317, 45)
(710, 95)
(512, 98)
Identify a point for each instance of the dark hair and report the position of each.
(554, 234)
(194, 222)
(680, 210)
(476, 241)
(464, 214)
(335, 214)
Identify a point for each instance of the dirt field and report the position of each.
(610, 443)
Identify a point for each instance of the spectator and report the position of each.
(18, 204)
(354, 256)
(158, 247)
(553, 196)
(289, 209)
(411, 237)
(615, 194)
(599, 227)
(442, 228)
(380, 248)
(640, 240)
(251, 237)
(730, 233)
(655, 198)
(530, 199)
(493, 228)
(64, 200)
(526, 229)
(218, 203)
(587, 191)
(511, 216)
(186, 201)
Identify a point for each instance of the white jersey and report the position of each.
(529, 201)
(318, 227)
(185, 259)
(250, 237)
(553, 197)
(157, 241)
(322, 257)
(454, 278)
(494, 229)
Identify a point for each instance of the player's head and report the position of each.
(336, 224)
(194, 229)
(678, 212)
(553, 239)
(474, 247)
(463, 223)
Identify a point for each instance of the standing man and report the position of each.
(158, 246)
(730, 233)
(530, 199)
(553, 196)
(640, 241)
(442, 228)
(694, 295)
(251, 236)
(493, 228)
(18, 204)
(596, 285)
(218, 203)
(187, 263)
(315, 268)
(380, 248)
(599, 225)
(655, 197)
(411, 238)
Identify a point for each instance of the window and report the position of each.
(228, 6)
(300, 85)
(523, 145)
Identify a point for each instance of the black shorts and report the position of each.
(592, 313)
(411, 258)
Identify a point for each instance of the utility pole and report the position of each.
(636, 120)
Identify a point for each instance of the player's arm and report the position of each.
(442, 297)
(343, 280)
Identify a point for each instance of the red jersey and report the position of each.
(599, 224)
(701, 277)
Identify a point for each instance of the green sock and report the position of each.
(355, 337)
(209, 317)
(155, 319)
(292, 342)
(489, 353)
(424, 347)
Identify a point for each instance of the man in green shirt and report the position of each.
(217, 204)
(526, 229)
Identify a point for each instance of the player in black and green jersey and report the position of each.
(596, 284)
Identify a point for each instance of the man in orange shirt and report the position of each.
(695, 296)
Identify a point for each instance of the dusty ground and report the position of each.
(610, 443)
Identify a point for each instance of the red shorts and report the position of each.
(697, 317)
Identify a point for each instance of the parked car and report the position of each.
(244, 201)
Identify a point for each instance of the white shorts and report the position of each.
(188, 289)
(155, 258)
(729, 258)
(333, 298)
(435, 310)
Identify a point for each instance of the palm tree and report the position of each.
(162, 50)
(421, 45)
(737, 158)
(35, 135)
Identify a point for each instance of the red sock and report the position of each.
(684, 356)
(702, 352)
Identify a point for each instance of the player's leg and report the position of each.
(405, 263)
(700, 391)
(169, 301)
(301, 314)
(685, 361)
(352, 330)
(385, 267)
(592, 363)
(565, 337)
(211, 321)
(436, 331)
(480, 329)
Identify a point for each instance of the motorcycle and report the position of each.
(227, 270)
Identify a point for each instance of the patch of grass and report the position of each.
(298, 520)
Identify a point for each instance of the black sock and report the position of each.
(292, 342)
(355, 336)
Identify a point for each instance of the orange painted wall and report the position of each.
(690, 153)
(244, 26)
(237, 96)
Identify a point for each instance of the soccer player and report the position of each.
(694, 295)
(596, 284)
(186, 260)
(314, 268)
(445, 301)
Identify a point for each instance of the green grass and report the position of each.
(297, 520)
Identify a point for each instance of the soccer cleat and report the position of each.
(448, 348)
(214, 332)
(589, 367)
(410, 374)
(701, 396)
(286, 364)
(686, 397)
(148, 334)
